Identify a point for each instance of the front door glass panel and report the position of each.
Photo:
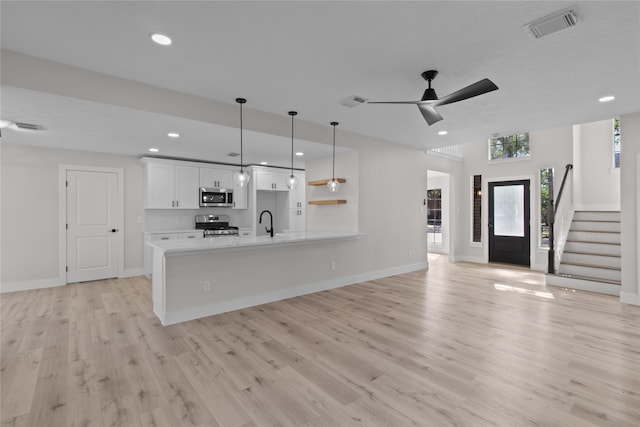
(508, 205)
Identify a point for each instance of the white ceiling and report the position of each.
(307, 56)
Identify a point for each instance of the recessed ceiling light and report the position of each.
(443, 132)
(607, 98)
(173, 135)
(299, 153)
(161, 39)
(264, 163)
(153, 150)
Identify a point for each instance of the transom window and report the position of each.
(506, 147)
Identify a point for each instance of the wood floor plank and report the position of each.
(456, 345)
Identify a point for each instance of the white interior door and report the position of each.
(92, 233)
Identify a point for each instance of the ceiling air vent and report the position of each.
(27, 126)
(353, 101)
(232, 154)
(551, 23)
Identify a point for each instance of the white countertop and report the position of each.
(187, 246)
(190, 230)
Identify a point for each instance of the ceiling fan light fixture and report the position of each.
(241, 177)
(429, 95)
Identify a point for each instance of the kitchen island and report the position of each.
(198, 278)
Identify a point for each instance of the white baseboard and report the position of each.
(132, 272)
(171, 318)
(630, 298)
(28, 285)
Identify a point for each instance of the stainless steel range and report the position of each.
(215, 225)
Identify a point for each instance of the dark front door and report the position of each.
(509, 231)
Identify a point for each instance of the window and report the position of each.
(511, 146)
(434, 216)
(476, 197)
(546, 175)
(616, 142)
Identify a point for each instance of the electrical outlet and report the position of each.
(139, 220)
(206, 286)
(333, 265)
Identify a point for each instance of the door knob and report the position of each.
(114, 230)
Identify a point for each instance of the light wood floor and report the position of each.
(460, 344)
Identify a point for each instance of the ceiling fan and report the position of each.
(430, 100)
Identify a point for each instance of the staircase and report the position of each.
(591, 257)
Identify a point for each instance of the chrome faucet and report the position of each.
(268, 230)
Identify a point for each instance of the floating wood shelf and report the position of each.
(325, 181)
(328, 202)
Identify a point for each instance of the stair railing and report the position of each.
(551, 216)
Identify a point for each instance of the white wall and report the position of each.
(597, 182)
(630, 206)
(333, 217)
(30, 223)
(548, 148)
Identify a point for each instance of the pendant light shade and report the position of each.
(292, 181)
(334, 184)
(241, 177)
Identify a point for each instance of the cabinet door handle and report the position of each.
(191, 237)
(164, 238)
(177, 203)
(173, 203)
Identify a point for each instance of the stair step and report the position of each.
(604, 226)
(590, 271)
(591, 259)
(608, 287)
(594, 236)
(593, 247)
(597, 215)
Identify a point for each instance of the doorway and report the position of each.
(438, 208)
(509, 228)
(93, 223)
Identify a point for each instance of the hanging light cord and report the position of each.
(333, 173)
(241, 159)
(292, 143)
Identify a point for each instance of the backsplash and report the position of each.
(184, 219)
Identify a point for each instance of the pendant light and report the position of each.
(241, 177)
(334, 184)
(292, 181)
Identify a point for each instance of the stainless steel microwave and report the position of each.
(216, 197)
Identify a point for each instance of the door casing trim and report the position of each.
(62, 215)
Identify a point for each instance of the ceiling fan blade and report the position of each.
(395, 102)
(429, 113)
(478, 88)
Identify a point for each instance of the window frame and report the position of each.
(516, 144)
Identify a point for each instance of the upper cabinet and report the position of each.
(216, 178)
(170, 186)
(271, 180)
(175, 184)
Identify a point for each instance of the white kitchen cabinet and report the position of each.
(271, 181)
(297, 219)
(216, 178)
(297, 195)
(171, 186)
(192, 235)
(240, 196)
